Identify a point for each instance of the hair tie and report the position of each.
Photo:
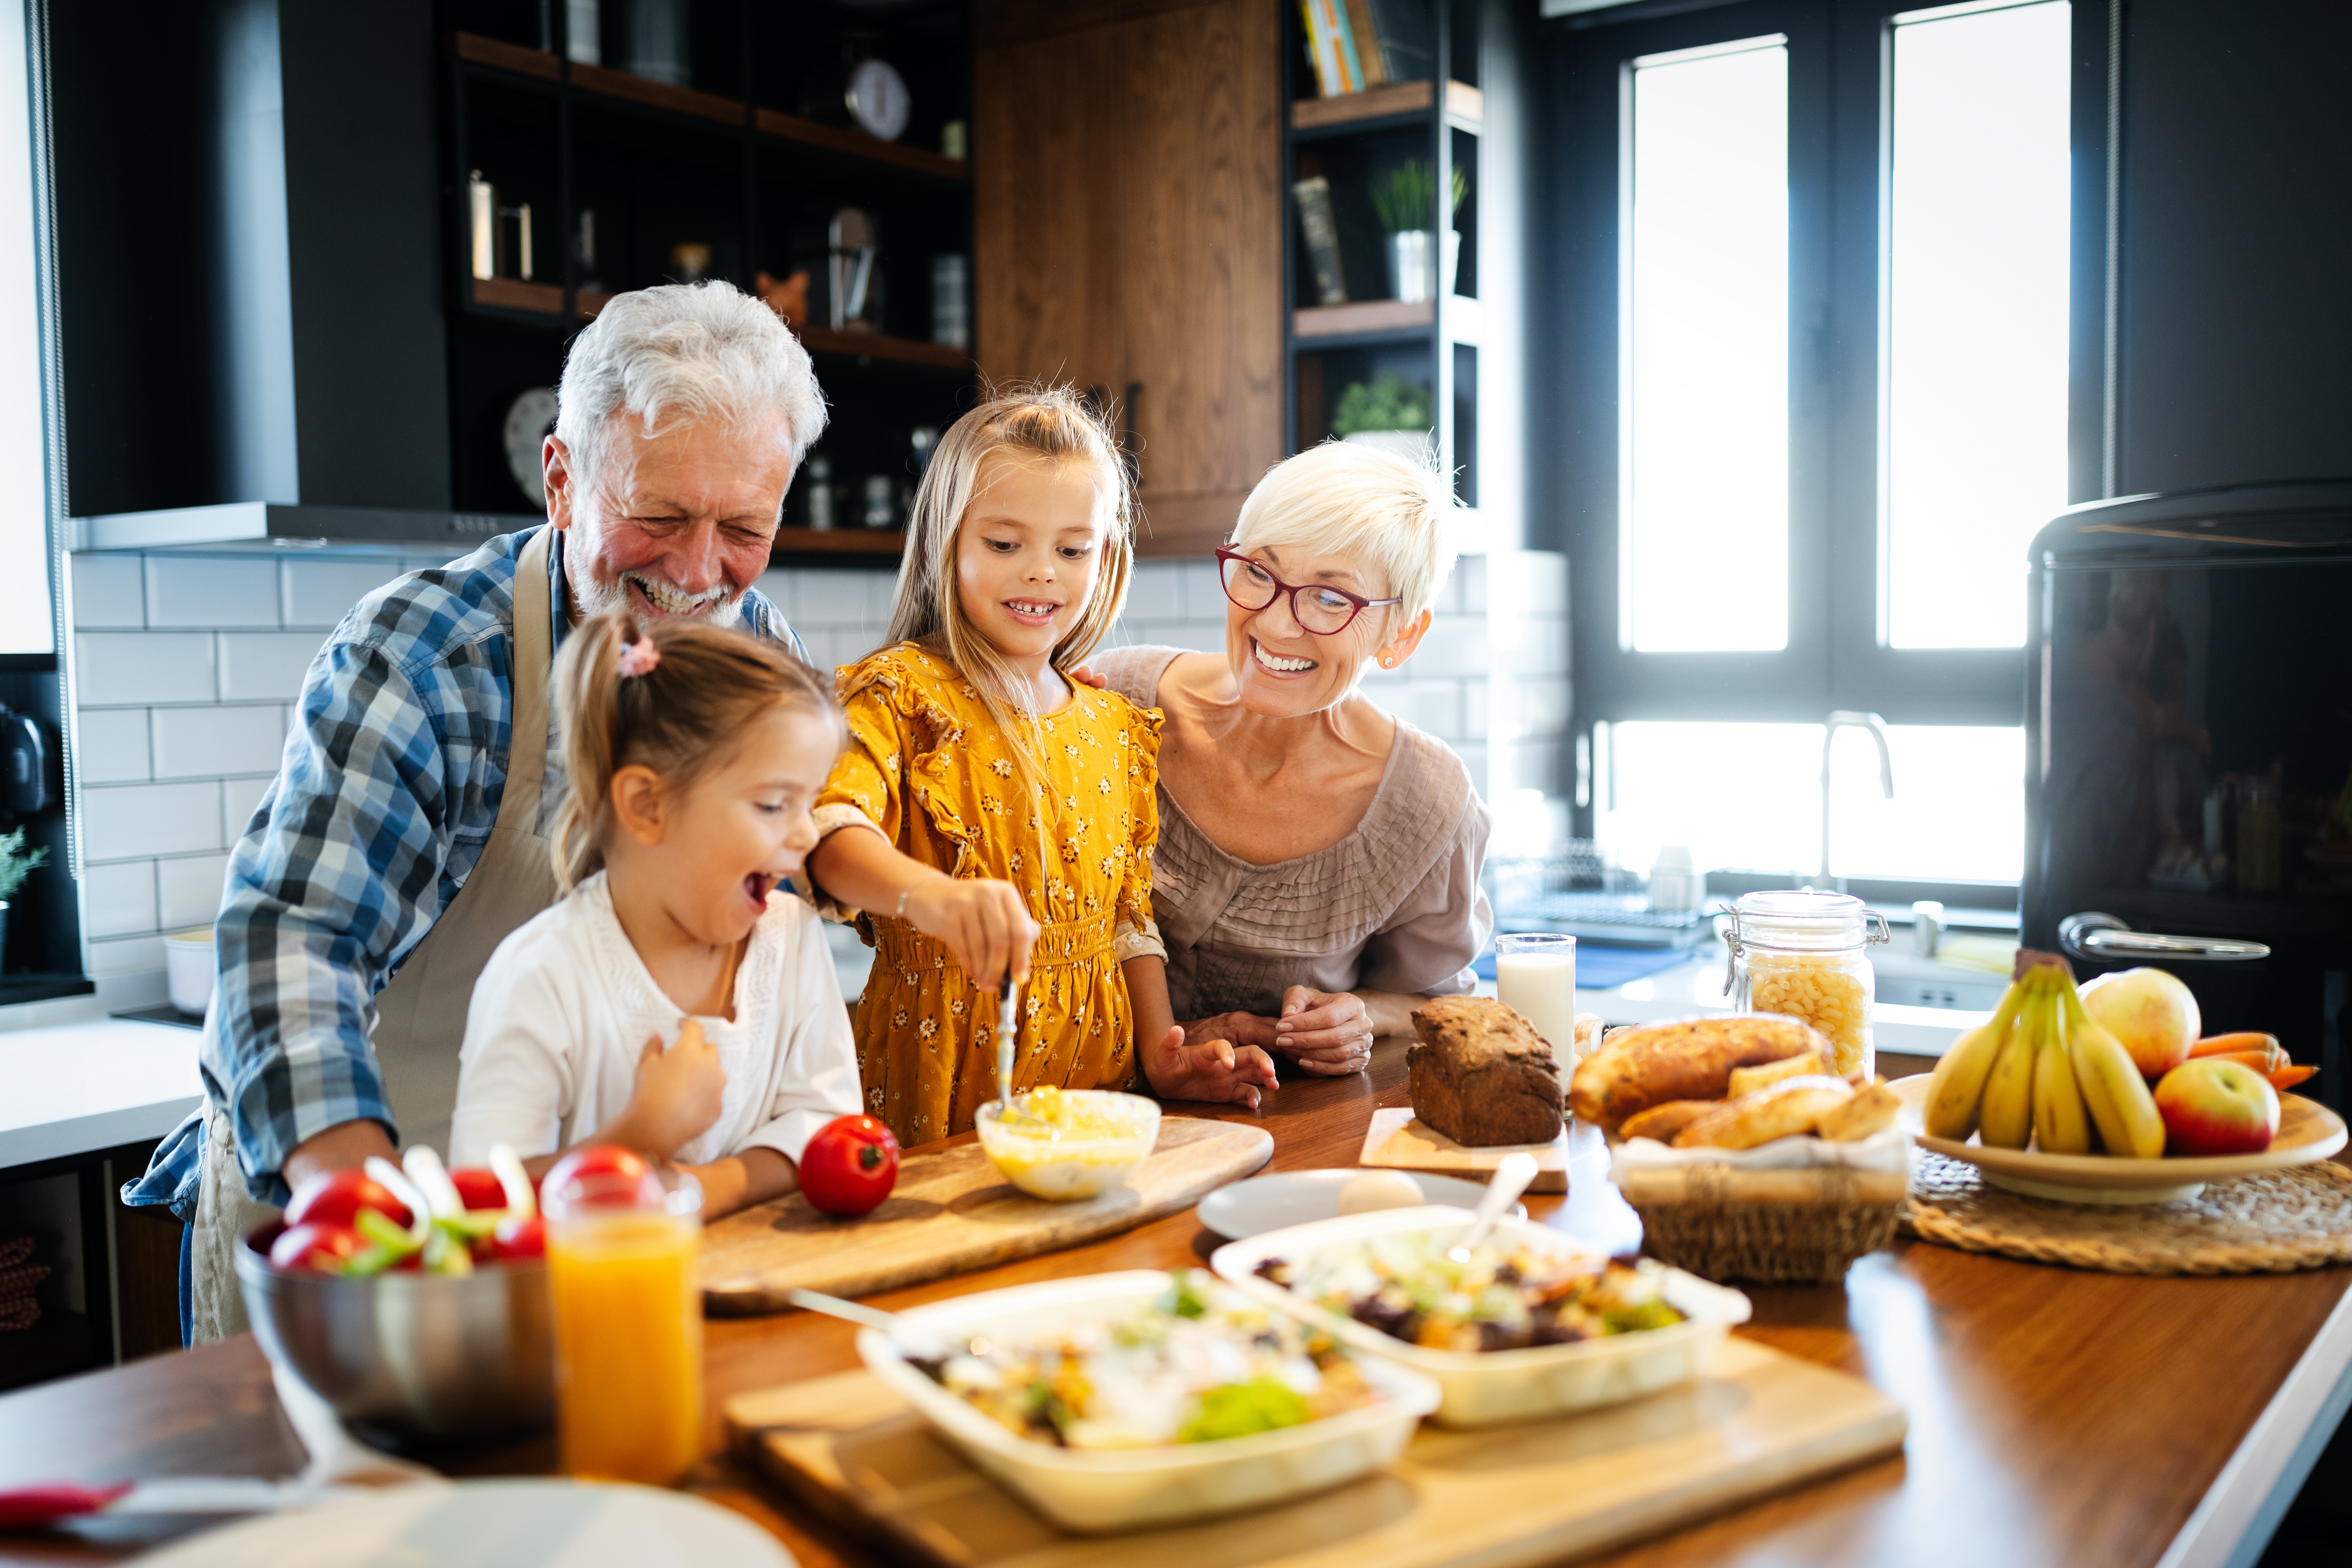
(638, 657)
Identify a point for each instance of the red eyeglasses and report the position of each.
(1319, 607)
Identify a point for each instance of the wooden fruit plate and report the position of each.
(2308, 1131)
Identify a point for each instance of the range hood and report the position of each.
(267, 523)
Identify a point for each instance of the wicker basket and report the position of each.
(1788, 1228)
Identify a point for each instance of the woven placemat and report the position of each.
(2274, 1222)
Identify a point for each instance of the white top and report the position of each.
(565, 1006)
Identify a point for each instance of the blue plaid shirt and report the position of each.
(386, 796)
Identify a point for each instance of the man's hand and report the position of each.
(983, 922)
(346, 1146)
(679, 1092)
(1324, 1032)
(1211, 1070)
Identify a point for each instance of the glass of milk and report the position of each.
(1535, 977)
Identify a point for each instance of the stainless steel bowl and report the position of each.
(435, 1355)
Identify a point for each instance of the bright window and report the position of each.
(1975, 346)
(1704, 347)
(26, 625)
(1749, 795)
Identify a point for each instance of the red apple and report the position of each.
(336, 1198)
(479, 1187)
(2213, 1107)
(2151, 1012)
(518, 1236)
(605, 1174)
(321, 1248)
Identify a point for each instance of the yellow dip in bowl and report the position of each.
(1065, 1144)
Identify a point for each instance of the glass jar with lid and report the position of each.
(1807, 954)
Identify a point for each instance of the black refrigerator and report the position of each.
(2188, 752)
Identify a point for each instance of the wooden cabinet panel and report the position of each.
(1128, 186)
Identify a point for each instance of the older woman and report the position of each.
(1318, 867)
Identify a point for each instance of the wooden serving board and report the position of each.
(951, 1212)
(1758, 1422)
(1399, 1141)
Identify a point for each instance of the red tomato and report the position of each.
(849, 1167)
(518, 1238)
(336, 1198)
(479, 1187)
(316, 1245)
(615, 1174)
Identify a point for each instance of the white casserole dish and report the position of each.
(1097, 1492)
(1481, 1388)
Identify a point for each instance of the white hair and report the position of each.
(681, 354)
(1344, 498)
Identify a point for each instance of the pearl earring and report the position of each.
(1388, 661)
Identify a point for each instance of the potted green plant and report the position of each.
(17, 863)
(1407, 202)
(1389, 411)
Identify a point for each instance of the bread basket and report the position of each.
(1786, 1227)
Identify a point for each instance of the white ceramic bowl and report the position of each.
(1045, 1166)
(188, 969)
(1098, 1491)
(1484, 1387)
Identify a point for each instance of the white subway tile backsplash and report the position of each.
(264, 665)
(120, 822)
(111, 743)
(1455, 645)
(319, 593)
(112, 669)
(1204, 590)
(126, 955)
(211, 591)
(1477, 703)
(1432, 705)
(1470, 576)
(119, 899)
(207, 742)
(188, 891)
(239, 799)
(106, 592)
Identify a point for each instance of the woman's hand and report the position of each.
(984, 924)
(1211, 1070)
(679, 1092)
(1326, 1032)
(1240, 1028)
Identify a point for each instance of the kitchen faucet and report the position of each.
(1877, 728)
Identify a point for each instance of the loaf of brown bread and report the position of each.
(1686, 1059)
(1481, 1075)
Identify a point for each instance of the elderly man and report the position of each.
(405, 835)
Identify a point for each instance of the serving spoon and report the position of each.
(911, 1347)
(1512, 1176)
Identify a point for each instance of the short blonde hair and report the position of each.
(1344, 498)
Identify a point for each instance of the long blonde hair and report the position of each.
(1052, 423)
(680, 718)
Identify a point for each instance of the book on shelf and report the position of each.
(1370, 56)
(1333, 76)
(1321, 232)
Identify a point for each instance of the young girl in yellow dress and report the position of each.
(990, 813)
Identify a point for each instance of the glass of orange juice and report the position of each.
(628, 1323)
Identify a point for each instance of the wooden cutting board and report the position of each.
(1757, 1423)
(1399, 1141)
(951, 1212)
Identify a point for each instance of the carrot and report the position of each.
(2263, 1062)
(2288, 1077)
(2230, 1044)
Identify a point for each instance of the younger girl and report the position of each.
(694, 755)
(989, 814)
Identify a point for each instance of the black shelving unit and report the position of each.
(1354, 141)
(727, 161)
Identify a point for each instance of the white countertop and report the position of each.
(73, 1089)
(1696, 987)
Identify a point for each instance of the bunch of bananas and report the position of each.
(2045, 1072)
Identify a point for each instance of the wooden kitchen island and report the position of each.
(2055, 1416)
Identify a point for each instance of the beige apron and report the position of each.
(421, 1016)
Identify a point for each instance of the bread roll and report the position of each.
(1662, 1122)
(1872, 1110)
(1688, 1059)
(1748, 1080)
(1777, 1111)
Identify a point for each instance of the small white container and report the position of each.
(1481, 1388)
(1062, 1167)
(188, 969)
(1101, 1490)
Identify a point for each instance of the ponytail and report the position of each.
(674, 696)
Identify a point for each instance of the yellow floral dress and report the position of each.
(929, 767)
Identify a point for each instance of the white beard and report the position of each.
(721, 605)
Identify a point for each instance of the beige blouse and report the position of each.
(1395, 906)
